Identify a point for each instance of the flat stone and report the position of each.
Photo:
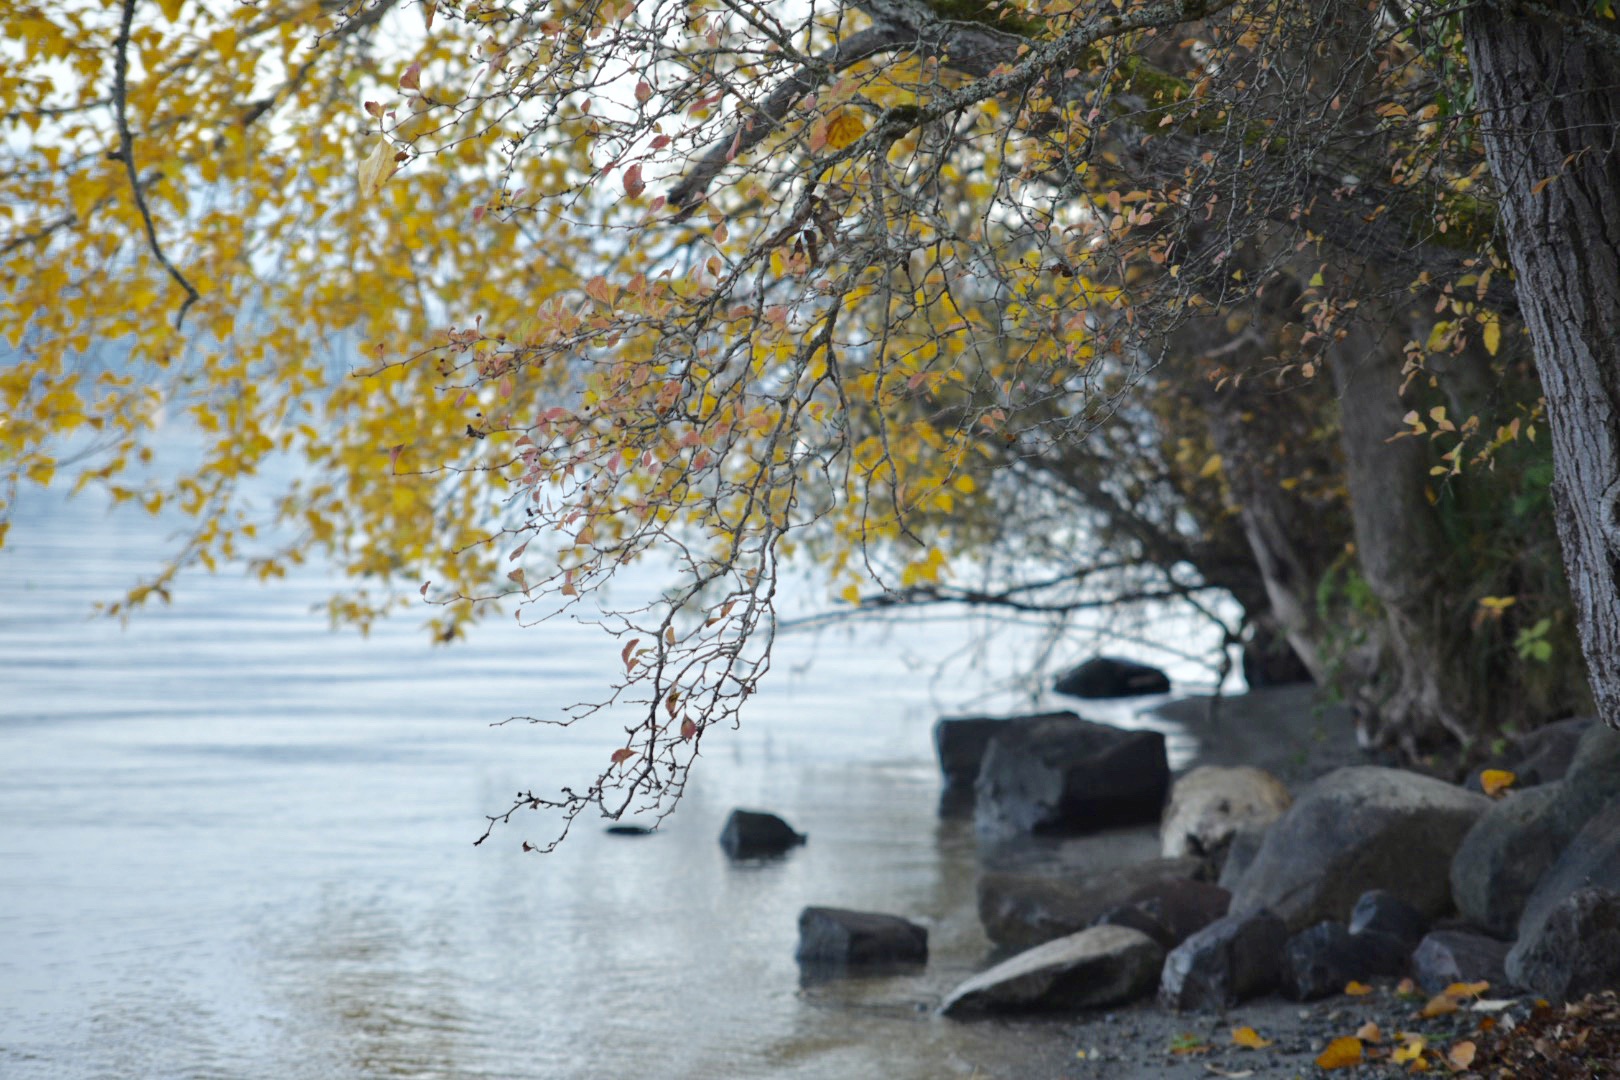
(840, 937)
(1231, 959)
(1444, 957)
(1356, 829)
(1023, 910)
(1576, 950)
(753, 834)
(1064, 775)
(1097, 967)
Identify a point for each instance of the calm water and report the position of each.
(233, 844)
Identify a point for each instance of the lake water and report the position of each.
(234, 844)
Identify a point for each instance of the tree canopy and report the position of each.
(1119, 299)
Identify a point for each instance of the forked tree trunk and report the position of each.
(1550, 98)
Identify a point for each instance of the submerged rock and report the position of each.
(1100, 966)
(840, 937)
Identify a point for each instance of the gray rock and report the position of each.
(1540, 756)
(1513, 843)
(1064, 775)
(961, 742)
(1575, 952)
(1212, 802)
(1594, 773)
(1182, 906)
(1134, 917)
(1229, 960)
(1240, 853)
(1097, 967)
(1591, 860)
(1110, 677)
(839, 937)
(1323, 959)
(752, 834)
(1023, 910)
(1444, 957)
(1359, 828)
(1380, 912)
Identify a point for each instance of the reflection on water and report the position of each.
(234, 845)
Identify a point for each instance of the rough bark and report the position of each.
(1548, 85)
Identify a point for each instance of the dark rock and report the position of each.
(1023, 910)
(1240, 853)
(1503, 856)
(1268, 660)
(1322, 959)
(1575, 952)
(1355, 829)
(960, 742)
(1594, 773)
(1540, 756)
(1101, 966)
(1061, 774)
(1109, 677)
(1444, 957)
(751, 834)
(1132, 916)
(1212, 802)
(1182, 906)
(1233, 958)
(836, 936)
(1591, 860)
(628, 830)
(1380, 912)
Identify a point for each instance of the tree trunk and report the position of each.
(1550, 99)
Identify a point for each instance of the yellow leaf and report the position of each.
(1439, 1005)
(1356, 989)
(1211, 467)
(851, 595)
(1341, 1053)
(1493, 335)
(1466, 990)
(1247, 1036)
(1495, 781)
(845, 128)
(376, 169)
(1409, 1051)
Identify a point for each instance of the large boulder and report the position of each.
(1444, 957)
(961, 742)
(1359, 828)
(1110, 677)
(838, 937)
(1212, 802)
(1591, 861)
(1322, 959)
(1540, 756)
(1231, 959)
(753, 834)
(1023, 910)
(1097, 967)
(1061, 774)
(1575, 951)
(1181, 905)
(1513, 844)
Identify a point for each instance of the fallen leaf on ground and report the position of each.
(1466, 990)
(1357, 989)
(1341, 1053)
(1439, 1005)
(1247, 1036)
(1406, 988)
(1410, 1050)
(1234, 1075)
(1188, 1043)
(1495, 781)
(1462, 1055)
(1369, 1032)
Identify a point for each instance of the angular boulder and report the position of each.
(1212, 802)
(960, 743)
(1321, 960)
(838, 937)
(1231, 959)
(1240, 853)
(1590, 861)
(1181, 905)
(1355, 829)
(1064, 775)
(1576, 950)
(1023, 910)
(1097, 967)
(1444, 957)
(753, 834)
(1380, 912)
(1111, 677)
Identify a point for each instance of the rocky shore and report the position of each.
(1280, 905)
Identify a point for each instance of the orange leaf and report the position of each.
(1439, 1005)
(1462, 1055)
(1356, 989)
(1247, 1036)
(1369, 1032)
(844, 129)
(623, 753)
(1406, 988)
(1341, 1053)
(1466, 990)
(688, 729)
(1495, 781)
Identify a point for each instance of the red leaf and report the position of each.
(629, 661)
(688, 729)
(412, 79)
(622, 754)
(632, 181)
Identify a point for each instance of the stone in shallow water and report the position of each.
(840, 937)
(1022, 910)
(1110, 677)
(751, 834)
(1097, 967)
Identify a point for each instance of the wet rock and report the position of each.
(752, 834)
(1355, 829)
(628, 830)
(1023, 910)
(1591, 860)
(1444, 957)
(1110, 677)
(1061, 774)
(1231, 959)
(837, 936)
(1575, 951)
(1097, 967)
(1380, 912)
(1212, 802)
(960, 742)
(1182, 906)
(1323, 958)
